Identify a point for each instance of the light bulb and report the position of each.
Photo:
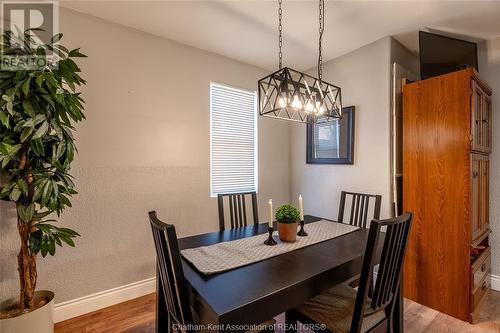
(296, 102)
(318, 107)
(309, 107)
(283, 99)
(282, 102)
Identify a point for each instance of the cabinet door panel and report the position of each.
(476, 196)
(485, 197)
(486, 124)
(476, 122)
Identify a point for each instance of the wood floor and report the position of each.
(137, 316)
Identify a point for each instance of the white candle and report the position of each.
(271, 218)
(301, 207)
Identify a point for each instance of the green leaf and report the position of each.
(4, 119)
(35, 241)
(39, 190)
(61, 148)
(58, 129)
(70, 152)
(39, 216)
(28, 123)
(26, 133)
(38, 119)
(21, 211)
(22, 185)
(70, 232)
(26, 213)
(52, 245)
(28, 109)
(26, 86)
(76, 53)
(41, 131)
(10, 108)
(44, 247)
(37, 146)
(5, 160)
(57, 239)
(56, 38)
(39, 80)
(15, 194)
(6, 190)
(47, 190)
(67, 239)
(55, 188)
(30, 211)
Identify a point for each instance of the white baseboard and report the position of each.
(90, 303)
(495, 282)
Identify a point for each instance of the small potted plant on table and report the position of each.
(287, 217)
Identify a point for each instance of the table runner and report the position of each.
(225, 256)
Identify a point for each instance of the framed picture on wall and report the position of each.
(332, 142)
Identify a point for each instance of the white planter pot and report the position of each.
(40, 321)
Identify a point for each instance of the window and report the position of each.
(233, 140)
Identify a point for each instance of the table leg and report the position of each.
(161, 323)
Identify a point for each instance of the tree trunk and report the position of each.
(26, 265)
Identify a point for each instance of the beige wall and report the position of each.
(144, 146)
(489, 69)
(364, 76)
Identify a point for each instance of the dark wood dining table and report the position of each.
(258, 292)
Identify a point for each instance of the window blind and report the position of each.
(233, 140)
(326, 139)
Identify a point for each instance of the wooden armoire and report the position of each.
(446, 146)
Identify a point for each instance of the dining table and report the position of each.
(255, 293)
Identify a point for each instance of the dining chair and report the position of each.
(237, 209)
(170, 275)
(172, 287)
(361, 204)
(342, 309)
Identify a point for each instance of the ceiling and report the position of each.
(247, 30)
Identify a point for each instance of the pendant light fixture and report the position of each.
(292, 95)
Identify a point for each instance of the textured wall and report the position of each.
(145, 145)
(364, 76)
(489, 69)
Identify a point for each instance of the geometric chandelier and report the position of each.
(292, 95)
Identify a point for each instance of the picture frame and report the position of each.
(332, 142)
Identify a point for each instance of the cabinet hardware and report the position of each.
(483, 268)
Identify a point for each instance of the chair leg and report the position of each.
(290, 323)
(389, 314)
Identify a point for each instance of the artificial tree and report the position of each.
(38, 109)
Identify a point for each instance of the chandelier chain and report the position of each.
(280, 30)
(321, 30)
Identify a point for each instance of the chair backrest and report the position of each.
(169, 267)
(361, 204)
(237, 209)
(389, 272)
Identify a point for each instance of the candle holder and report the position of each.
(301, 232)
(270, 240)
